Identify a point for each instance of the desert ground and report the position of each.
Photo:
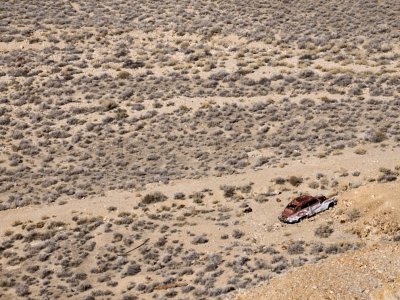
(147, 148)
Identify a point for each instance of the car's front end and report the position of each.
(282, 218)
(285, 215)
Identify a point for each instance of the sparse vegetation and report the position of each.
(296, 247)
(295, 180)
(105, 109)
(153, 198)
(324, 230)
(353, 214)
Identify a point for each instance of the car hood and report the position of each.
(286, 213)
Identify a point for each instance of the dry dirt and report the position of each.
(372, 272)
(90, 236)
(146, 148)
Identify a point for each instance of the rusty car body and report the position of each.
(305, 206)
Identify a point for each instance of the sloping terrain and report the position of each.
(368, 273)
(110, 95)
(372, 272)
(194, 238)
(147, 147)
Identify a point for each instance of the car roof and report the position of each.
(301, 199)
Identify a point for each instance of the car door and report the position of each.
(304, 210)
(313, 206)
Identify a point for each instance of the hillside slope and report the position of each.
(372, 272)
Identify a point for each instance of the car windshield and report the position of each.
(291, 206)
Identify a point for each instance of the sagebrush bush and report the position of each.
(353, 214)
(324, 230)
(296, 247)
(295, 180)
(229, 190)
(153, 198)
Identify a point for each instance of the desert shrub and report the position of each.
(213, 261)
(138, 106)
(229, 190)
(313, 185)
(224, 237)
(246, 188)
(334, 183)
(388, 177)
(375, 136)
(85, 286)
(124, 221)
(107, 105)
(161, 242)
(121, 114)
(262, 160)
(179, 196)
(268, 250)
(295, 180)
(32, 269)
(324, 230)
(278, 258)
(353, 214)
(332, 249)
(153, 198)
(130, 64)
(187, 289)
(385, 170)
(237, 234)
(111, 208)
(280, 267)
(132, 269)
(341, 247)
(123, 75)
(279, 180)
(299, 261)
(360, 151)
(316, 248)
(200, 239)
(296, 247)
(22, 290)
(221, 290)
(129, 297)
(197, 197)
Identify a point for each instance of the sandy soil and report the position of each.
(368, 273)
(147, 148)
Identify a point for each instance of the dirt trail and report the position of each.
(307, 167)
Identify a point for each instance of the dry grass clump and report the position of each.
(295, 180)
(375, 136)
(296, 247)
(153, 198)
(313, 184)
(353, 214)
(360, 151)
(229, 190)
(387, 175)
(324, 230)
